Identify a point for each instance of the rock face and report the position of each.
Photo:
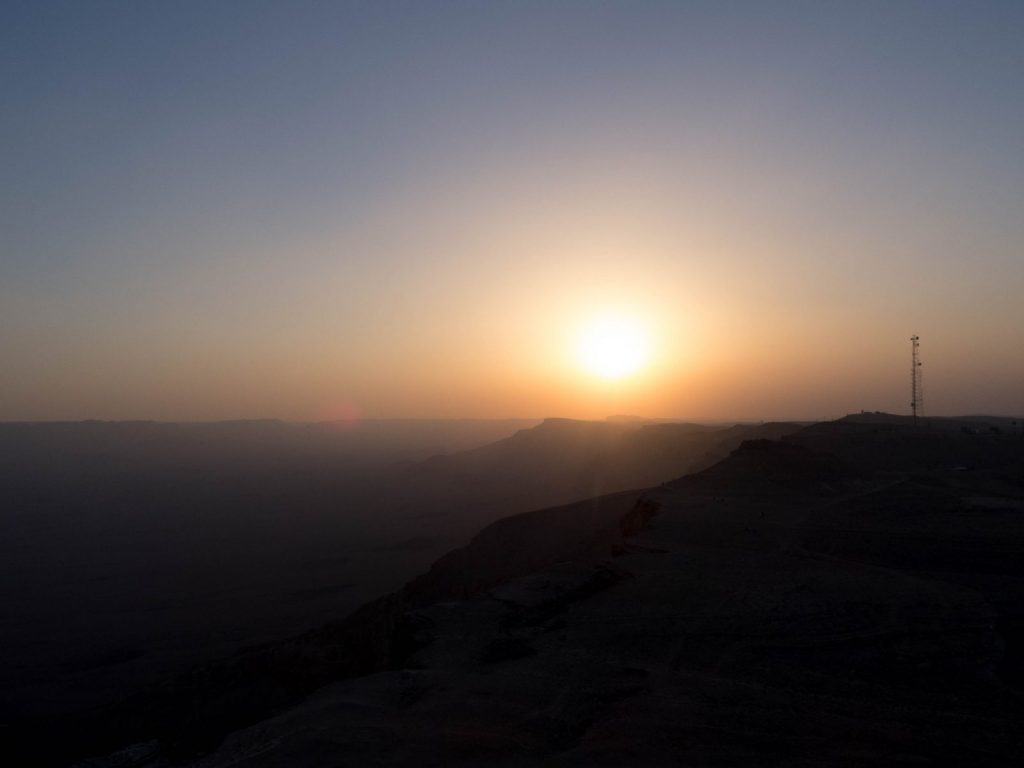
(192, 712)
(787, 606)
(523, 543)
(149, 559)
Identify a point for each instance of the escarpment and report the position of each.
(190, 714)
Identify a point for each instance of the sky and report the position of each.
(334, 210)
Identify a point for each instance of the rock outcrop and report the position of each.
(779, 608)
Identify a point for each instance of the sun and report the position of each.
(614, 347)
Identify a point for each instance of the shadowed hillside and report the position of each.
(134, 551)
(786, 604)
(783, 606)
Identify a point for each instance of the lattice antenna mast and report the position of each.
(916, 392)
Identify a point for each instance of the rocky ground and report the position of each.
(851, 595)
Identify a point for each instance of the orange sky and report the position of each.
(344, 211)
(768, 319)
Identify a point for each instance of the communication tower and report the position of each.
(916, 393)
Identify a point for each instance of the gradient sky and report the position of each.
(312, 210)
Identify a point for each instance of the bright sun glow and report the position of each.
(614, 347)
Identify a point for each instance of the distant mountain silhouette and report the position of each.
(562, 460)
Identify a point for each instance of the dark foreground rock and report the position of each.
(780, 608)
(190, 714)
(851, 595)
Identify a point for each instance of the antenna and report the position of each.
(916, 392)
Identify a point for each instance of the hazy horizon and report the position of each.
(626, 418)
(315, 211)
